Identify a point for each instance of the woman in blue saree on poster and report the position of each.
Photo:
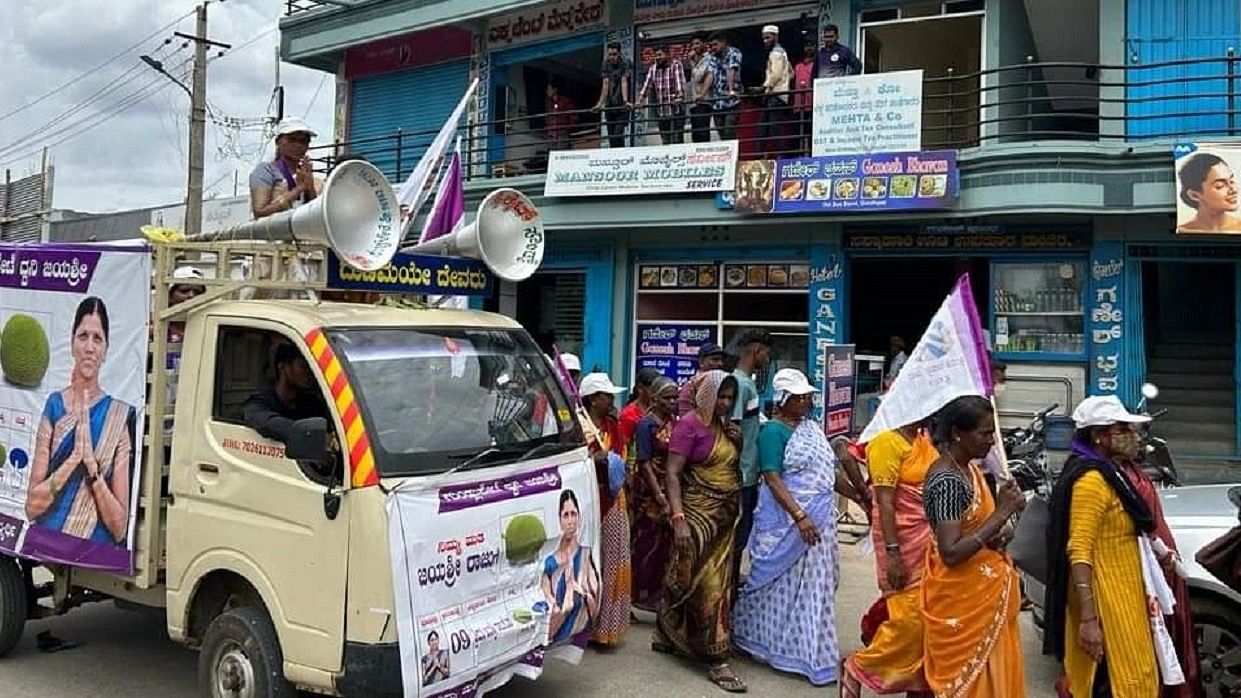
(79, 482)
(570, 581)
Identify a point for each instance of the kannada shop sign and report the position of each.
(543, 22)
(646, 11)
(668, 169)
(881, 181)
(673, 349)
(838, 389)
(415, 273)
(493, 573)
(872, 113)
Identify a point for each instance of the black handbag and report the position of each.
(1028, 548)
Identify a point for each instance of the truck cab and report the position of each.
(275, 559)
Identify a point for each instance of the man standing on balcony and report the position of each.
(727, 90)
(665, 82)
(701, 87)
(775, 98)
(614, 95)
(287, 181)
(835, 59)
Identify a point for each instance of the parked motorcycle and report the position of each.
(1026, 451)
(1156, 457)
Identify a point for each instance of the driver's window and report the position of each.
(247, 370)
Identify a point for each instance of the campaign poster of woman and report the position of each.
(570, 580)
(84, 446)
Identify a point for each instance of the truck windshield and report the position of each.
(441, 398)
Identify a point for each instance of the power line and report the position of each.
(245, 44)
(86, 123)
(315, 98)
(97, 68)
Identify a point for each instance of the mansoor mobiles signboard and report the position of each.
(667, 169)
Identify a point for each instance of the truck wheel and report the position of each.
(13, 608)
(241, 657)
(1218, 627)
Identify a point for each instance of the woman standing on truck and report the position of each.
(599, 396)
(79, 483)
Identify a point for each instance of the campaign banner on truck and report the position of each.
(871, 113)
(924, 180)
(415, 273)
(73, 354)
(1206, 188)
(838, 384)
(665, 169)
(672, 349)
(493, 574)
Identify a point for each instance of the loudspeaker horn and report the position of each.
(357, 215)
(506, 235)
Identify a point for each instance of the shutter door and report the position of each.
(415, 101)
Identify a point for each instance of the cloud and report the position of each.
(118, 135)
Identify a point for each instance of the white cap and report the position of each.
(1104, 410)
(571, 362)
(771, 29)
(187, 272)
(793, 382)
(294, 125)
(595, 383)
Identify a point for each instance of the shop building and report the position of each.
(1062, 116)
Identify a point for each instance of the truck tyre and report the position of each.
(241, 657)
(13, 604)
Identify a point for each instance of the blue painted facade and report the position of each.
(1175, 30)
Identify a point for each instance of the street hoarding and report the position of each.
(668, 169)
(1206, 188)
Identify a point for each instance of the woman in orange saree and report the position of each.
(892, 661)
(971, 596)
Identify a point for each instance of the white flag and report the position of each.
(414, 192)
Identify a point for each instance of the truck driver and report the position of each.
(295, 396)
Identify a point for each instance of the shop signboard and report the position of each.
(474, 567)
(1109, 371)
(666, 169)
(648, 11)
(407, 51)
(415, 273)
(890, 242)
(845, 183)
(98, 297)
(1206, 195)
(827, 281)
(871, 113)
(672, 349)
(838, 389)
(549, 21)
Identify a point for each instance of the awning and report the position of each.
(316, 39)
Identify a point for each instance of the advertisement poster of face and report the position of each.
(1206, 194)
(493, 574)
(73, 349)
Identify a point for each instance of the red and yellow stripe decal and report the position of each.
(361, 458)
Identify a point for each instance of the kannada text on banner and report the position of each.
(415, 273)
(73, 347)
(907, 181)
(493, 573)
(668, 169)
(672, 349)
(838, 389)
(871, 113)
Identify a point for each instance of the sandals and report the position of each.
(722, 675)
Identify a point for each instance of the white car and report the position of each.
(1198, 515)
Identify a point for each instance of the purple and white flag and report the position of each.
(950, 361)
(448, 211)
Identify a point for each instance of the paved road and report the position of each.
(126, 654)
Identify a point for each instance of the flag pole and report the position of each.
(999, 441)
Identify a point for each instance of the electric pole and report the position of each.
(198, 122)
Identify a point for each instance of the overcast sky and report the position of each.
(107, 159)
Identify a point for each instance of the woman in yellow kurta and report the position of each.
(1097, 621)
(971, 595)
(892, 663)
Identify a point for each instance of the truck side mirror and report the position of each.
(308, 441)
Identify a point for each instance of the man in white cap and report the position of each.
(287, 181)
(776, 88)
(573, 365)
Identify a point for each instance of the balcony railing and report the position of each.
(294, 7)
(1188, 99)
